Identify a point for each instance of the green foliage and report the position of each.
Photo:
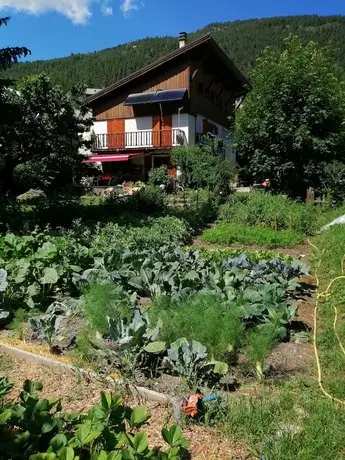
(202, 166)
(218, 255)
(147, 200)
(332, 180)
(289, 421)
(260, 342)
(38, 430)
(105, 301)
(204, 318)
(226, 233)
(38, 265)
(41, 149)
(292, 122)
(243, 41)
(160, 176)
(271, 211)
(197, 207)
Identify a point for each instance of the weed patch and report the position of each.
(227, 233)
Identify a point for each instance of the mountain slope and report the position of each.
(242, 40)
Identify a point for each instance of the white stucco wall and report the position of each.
(138, 124)
(223, 133)
(100, 127)
(186, 123)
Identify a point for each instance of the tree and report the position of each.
(292, 123)
(43, 145)
(10, 55)
(203, 166)
(8, 112)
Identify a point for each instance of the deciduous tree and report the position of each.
(43, 145)
(293, 121)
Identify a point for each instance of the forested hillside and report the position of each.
(242, 40)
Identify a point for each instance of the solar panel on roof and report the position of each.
(139, 98)
(169, 95)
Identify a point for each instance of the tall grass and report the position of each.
(226, 233)
(288, 423)
(271, 211)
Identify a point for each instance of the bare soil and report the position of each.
(78, 393)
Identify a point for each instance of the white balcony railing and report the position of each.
(139, 139)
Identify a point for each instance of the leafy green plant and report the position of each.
(44, 327)
(184, 357)
(204, 318)
(260, 342)
(160, 176)
(102, 301)
(19, 321)
(36, 429)
(219, 255)
(226, 233)
(276, 212)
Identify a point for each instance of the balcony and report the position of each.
(139, 139)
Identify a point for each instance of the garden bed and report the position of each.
(78, 393)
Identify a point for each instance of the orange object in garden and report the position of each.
(172, 172)
(190, 406)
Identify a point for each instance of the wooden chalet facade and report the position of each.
(175, 101)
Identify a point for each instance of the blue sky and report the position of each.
(54, 28)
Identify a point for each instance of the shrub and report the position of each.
(160, 176)
(145, 233)
(203, 166)
(203, 317)
(225, 233)
(102, 301)
(148, 200)
(271, 211)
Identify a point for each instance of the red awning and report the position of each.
(110, 158)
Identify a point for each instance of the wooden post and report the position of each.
(310, 195)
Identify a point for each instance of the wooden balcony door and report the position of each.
(116, 133)
(162, 131)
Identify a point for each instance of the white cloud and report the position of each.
(130, 5)
(79, 11)
(106, 10)
(76, 10)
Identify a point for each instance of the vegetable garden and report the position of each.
(133, 300)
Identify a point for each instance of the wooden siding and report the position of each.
(173, 78)
(214, 91)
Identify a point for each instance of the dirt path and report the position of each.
(78, 393)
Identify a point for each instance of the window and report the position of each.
(212, 96)
(201, 87)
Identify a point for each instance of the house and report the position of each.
(176, 100)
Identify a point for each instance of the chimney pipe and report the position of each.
(182, 40)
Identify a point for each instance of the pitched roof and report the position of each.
(244, 83)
